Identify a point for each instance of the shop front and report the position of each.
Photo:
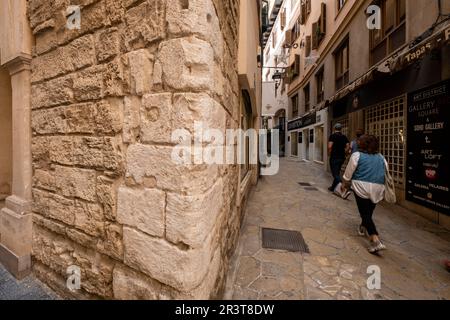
(307, 137)
(407, 109)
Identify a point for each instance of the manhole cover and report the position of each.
(283, 240)
(304, 184)
(311, 189)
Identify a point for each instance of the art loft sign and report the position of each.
(428, 162)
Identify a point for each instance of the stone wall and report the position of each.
(105, 100)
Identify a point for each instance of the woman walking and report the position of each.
(366, 172)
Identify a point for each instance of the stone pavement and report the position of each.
(27, 289)
(337, 265)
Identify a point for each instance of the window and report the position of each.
(305, 10)
(283, 19)
(274, 39)
(308, 46)
(387, 121)
(319, 28)
(296, 68)
(342, 65)
(307, 96)
(311, 135)
(320, 86)
(340, 4)
(295, 106)
(392, 34)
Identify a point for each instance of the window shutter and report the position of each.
(297, 65)
(315, 42)
(283, 19)
(308, 46)
(303, 12)
(288, 38)
(323, 19)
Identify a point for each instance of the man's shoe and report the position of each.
(331, 189)
(376, 247)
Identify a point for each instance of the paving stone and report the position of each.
(337, 266)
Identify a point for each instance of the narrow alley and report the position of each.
(337, 265)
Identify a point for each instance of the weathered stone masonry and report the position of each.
(105, 99)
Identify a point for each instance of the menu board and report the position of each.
(428, 161)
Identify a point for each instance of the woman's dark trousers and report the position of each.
(366, 208)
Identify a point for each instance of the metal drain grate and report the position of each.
(283, 240)
(305, 184)
(311, 189)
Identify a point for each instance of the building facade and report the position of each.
(365, 72)
(87, 113)
(275, 103)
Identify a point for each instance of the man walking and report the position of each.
(354, 144)
(338, 148)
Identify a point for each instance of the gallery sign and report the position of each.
(428, 161)
(302, 122)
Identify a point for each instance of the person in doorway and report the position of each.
(354, 143)
(338, 146)
(366, 172)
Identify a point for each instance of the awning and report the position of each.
(399, 61)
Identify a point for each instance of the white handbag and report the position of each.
(389, 194)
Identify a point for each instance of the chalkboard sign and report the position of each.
(428, 161)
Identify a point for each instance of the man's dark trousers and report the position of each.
(336, 166)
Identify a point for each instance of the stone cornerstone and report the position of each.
(105, 98)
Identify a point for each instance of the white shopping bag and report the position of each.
(344, 194)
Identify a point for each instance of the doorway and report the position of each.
(5, 135)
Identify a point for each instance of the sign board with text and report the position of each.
(428, 161)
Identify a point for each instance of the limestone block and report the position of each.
(76, 183)
(132, 107)
(156, 113)
(107, 196)
(112, 245)
(145, 24)
(81, 238)
(89, 218)
(99, 153)
(195, 17)
(140, 63)
(88, 84)
(45, 41)
(49, 224)
(53, 206)
(104, 117)
(76, 55)
(191, 107)
(113, 79)
(131, 285)
(142, 209)
(190, 219)
(193, 68)
(52, 250)
(156, 161)
(167, 263)
(52, 93)
(48, 121)
(109, 116)
(107, 44)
